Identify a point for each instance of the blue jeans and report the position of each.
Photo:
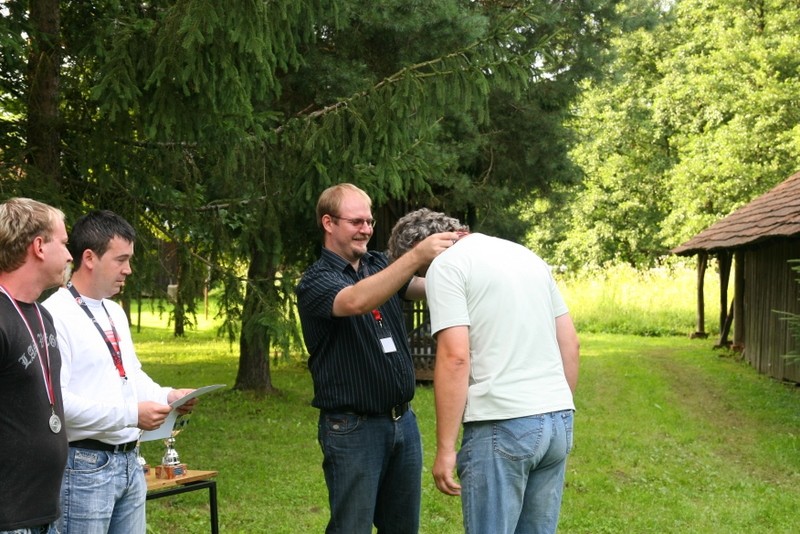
(103, 492)
(512, 473)
(52, 528)
(373, 469)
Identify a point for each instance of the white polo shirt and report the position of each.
(508, 298)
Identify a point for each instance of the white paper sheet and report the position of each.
(165, 430)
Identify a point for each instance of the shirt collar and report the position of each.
(341, 264)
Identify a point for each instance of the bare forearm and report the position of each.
(416, 289)
(376, 289)
(450, 385)
(450, 402)
(569, 346)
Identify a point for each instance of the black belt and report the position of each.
(95, 445)
(395, 413)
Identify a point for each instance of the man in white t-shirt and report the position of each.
(506, 367)
(108, 398)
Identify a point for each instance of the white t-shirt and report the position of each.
(507, 297)
(98, 403)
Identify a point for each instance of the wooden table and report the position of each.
(193, 480)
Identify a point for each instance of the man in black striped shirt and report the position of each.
(351, 313)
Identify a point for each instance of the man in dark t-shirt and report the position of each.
(33, 443)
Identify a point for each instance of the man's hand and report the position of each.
(433, 245)
(152, 414)
(443, 473)
(176, 394)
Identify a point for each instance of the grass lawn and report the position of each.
(671, 436)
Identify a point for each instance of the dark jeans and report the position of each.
(373, 469)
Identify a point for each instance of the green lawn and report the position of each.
(671, 436)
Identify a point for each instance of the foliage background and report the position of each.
(692, 117)
(599, 132)
(213, 127)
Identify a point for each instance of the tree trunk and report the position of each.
(44, 137)
(183, 294)
(254, 341)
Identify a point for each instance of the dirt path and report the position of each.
(733, 431)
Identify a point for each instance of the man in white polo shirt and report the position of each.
(506, 366)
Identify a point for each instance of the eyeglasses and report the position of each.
(358, 223)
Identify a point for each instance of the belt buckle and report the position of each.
(397, 412)
(125, 447)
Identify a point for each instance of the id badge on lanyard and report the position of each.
(384, 336)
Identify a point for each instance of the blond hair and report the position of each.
(21, 221)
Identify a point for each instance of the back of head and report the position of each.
(21, 221)
(330, 200)
(416, 226)
(95, 230)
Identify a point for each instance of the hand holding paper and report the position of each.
(177, 394)
(152, 415)
(188, 400)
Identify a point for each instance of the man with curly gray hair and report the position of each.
(416, 226)
(506, 367)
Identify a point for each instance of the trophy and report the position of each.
(140, 459)
(171, 466)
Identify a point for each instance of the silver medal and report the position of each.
(55, 424)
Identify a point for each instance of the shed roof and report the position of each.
(776, 213)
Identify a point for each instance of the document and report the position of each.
(165, 430)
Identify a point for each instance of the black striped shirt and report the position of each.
(349, 368)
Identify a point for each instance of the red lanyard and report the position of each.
(116, 353)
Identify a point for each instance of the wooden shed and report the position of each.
(761, 240)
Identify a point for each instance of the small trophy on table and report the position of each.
(171, 466)
(142, 461)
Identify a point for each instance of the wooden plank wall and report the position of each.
(771, 285)
(422, 344)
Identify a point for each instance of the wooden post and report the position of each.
(725, 260)
(725, 329)
(738, 301)
(702, 263)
